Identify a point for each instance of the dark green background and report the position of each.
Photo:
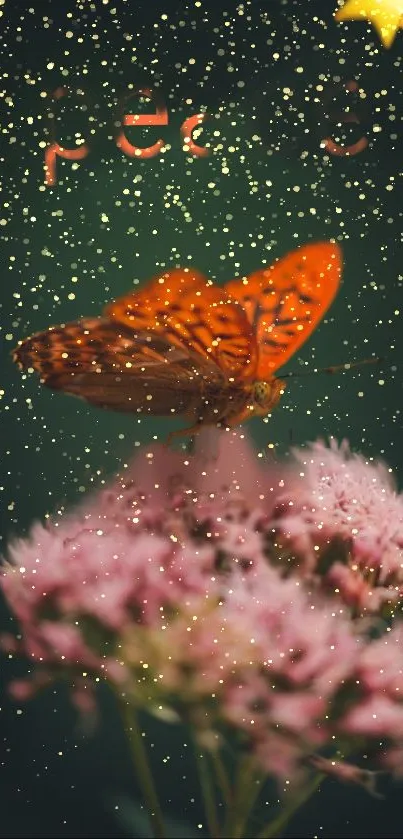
(54, 447)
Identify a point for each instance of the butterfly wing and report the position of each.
(114, 367)
(284, 303)
(186, 311)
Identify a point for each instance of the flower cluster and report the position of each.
(231, 592)
(340, 520)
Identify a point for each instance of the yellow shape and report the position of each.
(385, 15)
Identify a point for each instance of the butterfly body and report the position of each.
(183, 347)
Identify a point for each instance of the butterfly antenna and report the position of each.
(336, 368)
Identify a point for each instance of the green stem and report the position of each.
(222, 778)
(207, 789)
(274, 829)
(254, 790)
(142, 767)
(246, 789)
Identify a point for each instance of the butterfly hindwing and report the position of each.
(117, 368)
(284, 303)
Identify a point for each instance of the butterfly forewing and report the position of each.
(284, 303)
(196, 316)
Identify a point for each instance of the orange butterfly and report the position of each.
(180, 346)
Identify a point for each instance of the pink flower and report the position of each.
(207, 583)
(342, 520)
(134, 551)
(375, 716)
(348, 773)
(378, 685)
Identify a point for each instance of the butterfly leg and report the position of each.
(239, 418)
(194, 429)
(184, 432)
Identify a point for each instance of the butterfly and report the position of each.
(181, 346)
